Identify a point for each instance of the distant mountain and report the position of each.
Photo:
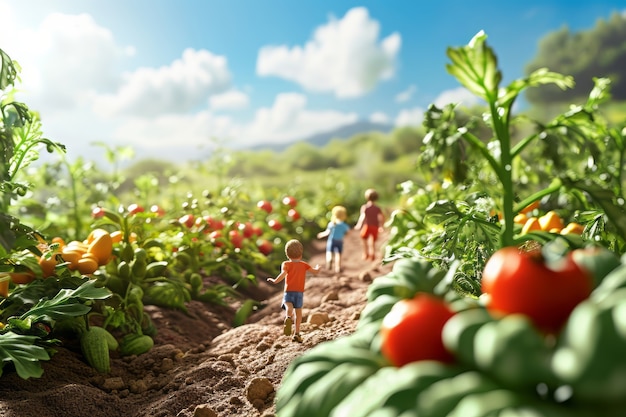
(321, 139)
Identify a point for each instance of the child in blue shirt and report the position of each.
(336, 230)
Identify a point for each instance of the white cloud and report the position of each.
(344, 57)
(379, 117)
(458, 95)
(174, 133)
(406, 95)
(289, 119)
(193, 136)
(67, 59)
(410, 117)
(230, 100)
(178, 88)
(72, 75)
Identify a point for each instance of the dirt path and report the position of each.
(200, 365)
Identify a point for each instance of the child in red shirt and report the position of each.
(293, 272)
(370, 223)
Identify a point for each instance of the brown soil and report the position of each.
(200, 365)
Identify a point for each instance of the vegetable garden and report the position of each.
(505, 293)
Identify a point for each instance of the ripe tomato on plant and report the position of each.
(524, 283)
(257, 230)
(265, 206)
(97, 212)
(293, 214)
(216, 238)
(235, 238)
(412, 330)
(290, 201)
(188, 220)
(265, 246)
(275, 224)
(246, 229)
(134, 209)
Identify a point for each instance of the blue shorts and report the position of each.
(294, 297)
(333, 245)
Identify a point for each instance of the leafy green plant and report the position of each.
(24, 339)
(20, 141)
(487, 174)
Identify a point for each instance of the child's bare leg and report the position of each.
(329, 260)
(372, 249)
(289, 312)
(337, 262)
(298, 319)
(366, 254)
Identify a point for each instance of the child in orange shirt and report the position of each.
(370, 223)
(293, 272)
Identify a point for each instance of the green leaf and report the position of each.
(168, 294)
(475, 66)
(23, 353)
(604, 198)
(536, 78)
(67, 302)
(243, 312)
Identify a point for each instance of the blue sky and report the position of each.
(173, 78)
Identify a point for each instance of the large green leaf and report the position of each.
(67, 302)
(23, 353)
(475, 66)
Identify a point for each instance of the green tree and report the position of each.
(596, 53)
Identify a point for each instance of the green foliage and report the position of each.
(488, 179)
(24, 337)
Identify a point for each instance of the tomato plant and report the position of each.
(481, 171)
(523, 282)
(411, 331)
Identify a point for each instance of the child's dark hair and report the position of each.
(371, 194)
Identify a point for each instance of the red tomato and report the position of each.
(188, 220)
(217, 224)
(293, 214)
(265, 246)
(257, 230)
(411, 331)
(247, 229)
(521, 282)
(215, 237)
(97, 212)
(290, 201)
(235, 238)
(134, 209)
(275, 224)
(265, 205)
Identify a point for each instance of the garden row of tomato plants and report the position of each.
(89, 275)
